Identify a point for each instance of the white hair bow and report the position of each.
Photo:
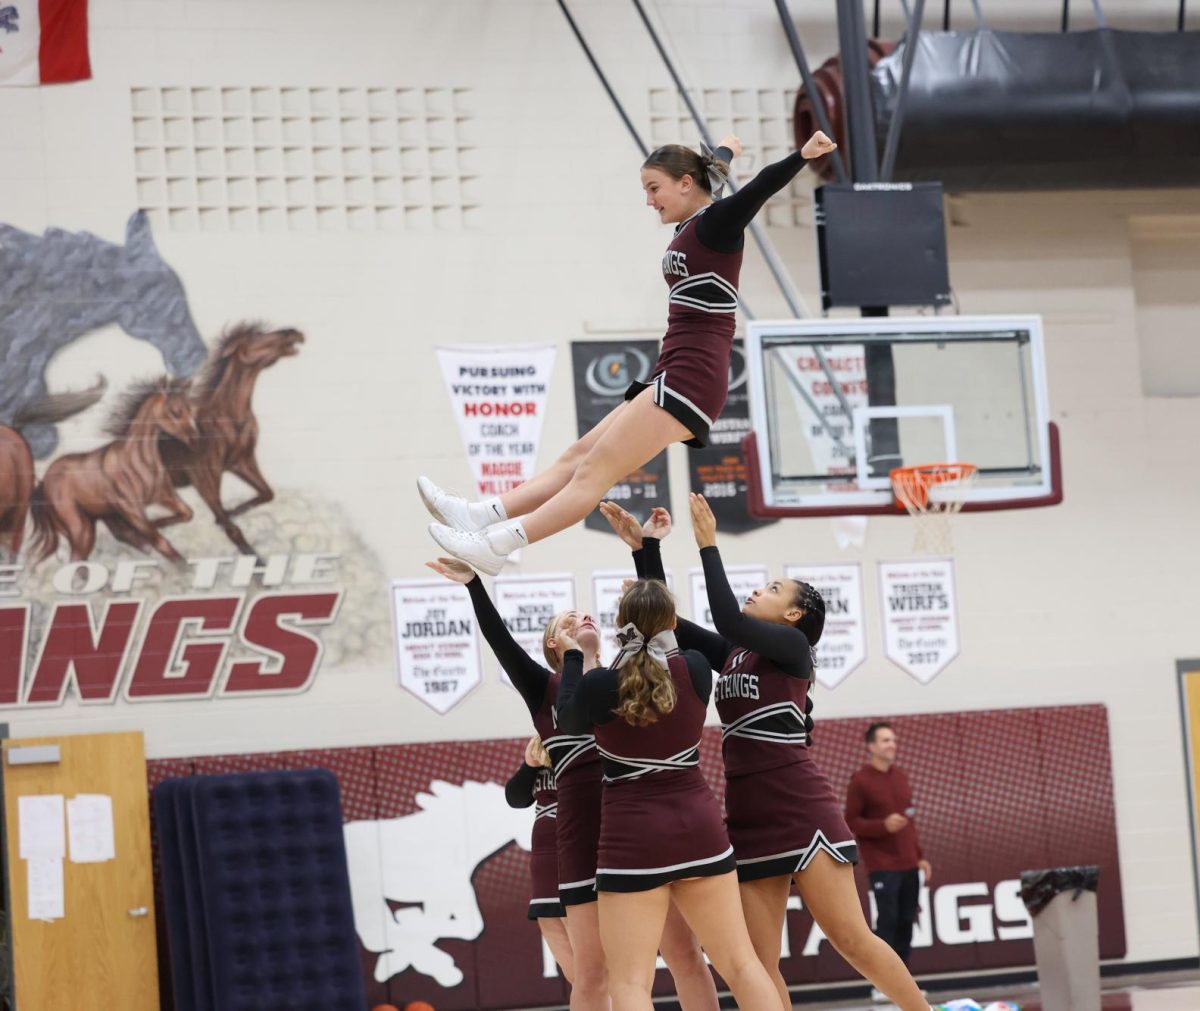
(632, 642)
(716, 178)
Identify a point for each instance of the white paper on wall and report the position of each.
(90, 828)
(41, 826)
(45, 885)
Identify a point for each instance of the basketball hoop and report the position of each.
(932, 493)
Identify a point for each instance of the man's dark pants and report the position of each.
(896, 896)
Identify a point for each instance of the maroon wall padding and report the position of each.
(996, 791)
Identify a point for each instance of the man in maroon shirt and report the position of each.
(880, 812)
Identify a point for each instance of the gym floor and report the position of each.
(1174, 991)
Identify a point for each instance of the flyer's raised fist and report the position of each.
(817, 145)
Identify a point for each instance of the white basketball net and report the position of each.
(933, 494)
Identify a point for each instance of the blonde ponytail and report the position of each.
(646, 691)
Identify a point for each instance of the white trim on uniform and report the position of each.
(663, 870)
(576, 884)
(743, 725)
(576, 743)
(661, 389)
(819, 842)
(641, 766)
(700, 280)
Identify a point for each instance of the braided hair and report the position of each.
(812, 622)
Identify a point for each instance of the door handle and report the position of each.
(139, 911)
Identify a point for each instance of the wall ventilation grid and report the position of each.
(761, 117)
(300, 159)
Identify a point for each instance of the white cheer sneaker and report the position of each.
(470, 546)
(455, 511)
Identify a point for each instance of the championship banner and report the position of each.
(603, 371)
(606, 595)
(920, 615)
(527, 604)
(743, 580)
(718, 472)
(437, 642)
(499, 399)
(843, 645)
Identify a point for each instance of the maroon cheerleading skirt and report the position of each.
(663, 827)
(690, 381)
(781, 818)
(578, 839)
(543, 868)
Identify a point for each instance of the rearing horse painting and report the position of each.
(16, 458)
(115, 483)
(228, 428)
(56, 287)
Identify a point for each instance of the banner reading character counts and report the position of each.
(499, 399)
(920, 615)
(437, 643)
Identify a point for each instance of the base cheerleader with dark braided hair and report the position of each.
(661, 836)
(686, 390)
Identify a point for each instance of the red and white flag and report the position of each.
(43, 42)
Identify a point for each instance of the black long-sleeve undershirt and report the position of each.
(587, 701)
(722, 226)
(529, 678)
(518, 792)
(784, 645)
(713, 647)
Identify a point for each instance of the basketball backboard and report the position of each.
(837, 404)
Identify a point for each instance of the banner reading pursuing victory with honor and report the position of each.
(499, 400)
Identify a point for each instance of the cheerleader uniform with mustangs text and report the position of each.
(780, 809)
(534, 785)
(702, 267)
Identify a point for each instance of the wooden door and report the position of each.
(101, 956)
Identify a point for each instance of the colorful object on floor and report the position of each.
(966, 1004)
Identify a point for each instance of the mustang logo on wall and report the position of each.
(250, 603)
